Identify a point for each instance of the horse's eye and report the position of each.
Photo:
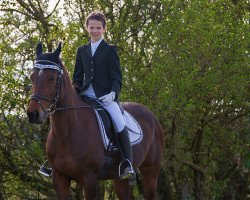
(51, 78)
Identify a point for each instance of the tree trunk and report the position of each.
(198, 176)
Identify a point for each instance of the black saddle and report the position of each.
(104, 114)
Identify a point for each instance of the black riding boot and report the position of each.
(125, 145)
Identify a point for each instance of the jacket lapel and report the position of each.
(99, 48)
(88, 49)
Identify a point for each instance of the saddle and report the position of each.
(106, 125)
(104, 116)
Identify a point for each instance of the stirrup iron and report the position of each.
(128, 171)
(44, 170)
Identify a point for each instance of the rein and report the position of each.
(52, 108)
(77, 107)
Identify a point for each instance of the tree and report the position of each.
(204, 48)
(185, 60)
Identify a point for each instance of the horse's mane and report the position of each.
(66, 74)
(66, 81)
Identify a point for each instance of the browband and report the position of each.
(51, 66)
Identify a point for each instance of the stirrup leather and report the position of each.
(128, 171)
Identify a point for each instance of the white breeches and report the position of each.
(113, 109)
(116, 114)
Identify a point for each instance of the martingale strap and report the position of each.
(52, 65)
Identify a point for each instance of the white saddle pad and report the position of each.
(133, 127)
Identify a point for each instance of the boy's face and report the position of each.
(95, 30)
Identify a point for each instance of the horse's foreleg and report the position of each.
(61, 185)
(122, 189)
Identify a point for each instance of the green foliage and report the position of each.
(186, 60)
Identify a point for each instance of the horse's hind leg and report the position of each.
(150, 179)
(122, 189)
(89, 185)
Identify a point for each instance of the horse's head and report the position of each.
(46, 82)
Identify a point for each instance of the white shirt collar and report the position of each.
(96, 44)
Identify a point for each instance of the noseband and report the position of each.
(53, 101)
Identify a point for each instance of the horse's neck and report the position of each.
(68, 103)
(68, 95)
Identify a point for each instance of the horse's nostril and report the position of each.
(36, 114)
(33, 116)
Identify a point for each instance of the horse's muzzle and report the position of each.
(34, 117)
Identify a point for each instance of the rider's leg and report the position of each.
(123, 137)
(126, 148)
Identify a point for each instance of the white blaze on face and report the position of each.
(40, 72)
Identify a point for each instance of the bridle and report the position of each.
(49, 65)
(53, 101)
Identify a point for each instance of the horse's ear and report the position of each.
(58, 50)
(39, 49)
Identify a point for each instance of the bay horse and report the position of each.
(74, 147)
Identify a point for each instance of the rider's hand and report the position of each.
(108, 98)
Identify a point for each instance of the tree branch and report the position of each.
(191, 165)
(54, 9)
(18, 11)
